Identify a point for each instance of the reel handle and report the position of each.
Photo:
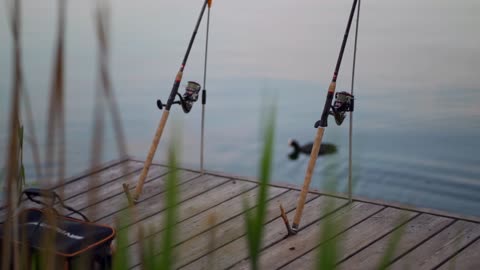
(189, 97)
(160, 104)
(344, 102)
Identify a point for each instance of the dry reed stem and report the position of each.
(56, 127)
(55, 148)
(105, 92)
(105, 95)
(103, 28)
(56, 124)
(32, 139)
(13, 142)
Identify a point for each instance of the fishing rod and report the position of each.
(343, 104)
(186, 102)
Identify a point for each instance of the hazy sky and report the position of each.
(412, 44)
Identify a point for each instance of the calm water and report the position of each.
(416, 124)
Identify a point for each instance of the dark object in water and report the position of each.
(325, 149)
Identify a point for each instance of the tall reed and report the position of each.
(254, 218)
(11, 167)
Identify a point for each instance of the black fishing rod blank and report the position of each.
(344, 103)
(186, 101)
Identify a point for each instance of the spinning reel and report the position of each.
(343, 103)
(189, 97)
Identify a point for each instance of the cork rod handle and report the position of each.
(308, 177)
(151, 154)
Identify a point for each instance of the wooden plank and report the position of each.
(440, 247)
(115, 204)
(196, 205)
(233, 229)
(469, 258)
(214, 197)
(197, 224)
(223, 212)
(82, 185)
(275, 231)
(111, 189)
(230, 230)
(155, 204)
(197, 248)
(96, 169)
(358, 237)
(192, 223)
(429, 240)
(403, 206)
(371, 230)
(414, 232)
(103, 177)
(308, 238)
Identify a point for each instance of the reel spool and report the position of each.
(189, 97)
(343, 103)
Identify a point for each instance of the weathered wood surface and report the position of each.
(106, 192)
(211, 215)
(78, 186)
(104, 211)
(236, 250)
(440, 247)
(309, 237)
(469, 258)
(198, 225)
(357, 236)
(414, 232)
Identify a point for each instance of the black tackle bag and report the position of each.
(77, 243)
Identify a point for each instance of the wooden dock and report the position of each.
(211, 231)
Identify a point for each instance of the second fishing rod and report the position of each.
(186, 102)
(343, 103)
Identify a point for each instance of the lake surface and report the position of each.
(417, 115)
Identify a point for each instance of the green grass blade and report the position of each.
(328, 252)
(21, 180)
(166, 259)
(392, 245)
(255, 217)
(20, 136)
(149, 251)
(120, 258)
